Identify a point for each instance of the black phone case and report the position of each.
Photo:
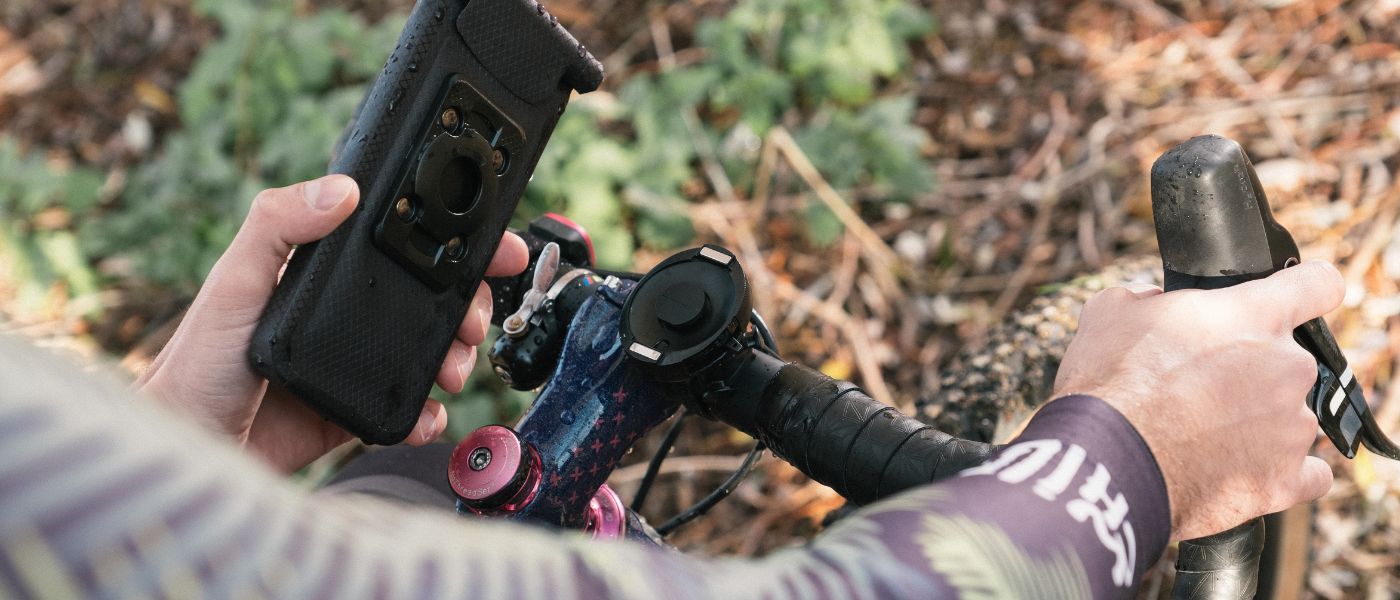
(359, 334)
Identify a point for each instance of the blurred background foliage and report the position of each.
(265, 101)
(620, 164)
(266, 98)
(260, 107)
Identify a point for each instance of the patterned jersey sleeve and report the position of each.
(1075, 508)
(102, 495)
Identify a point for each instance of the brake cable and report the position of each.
(764, 342)
(708, 502)
(662, 452)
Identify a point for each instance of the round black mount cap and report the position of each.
(682, 304)
(455, 172)
(685, 314)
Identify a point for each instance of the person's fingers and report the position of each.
(431, 423)
(456, 367)
(511, 257)
(1142, 290)
(1299, 368)
(279, 219)
(1294, 295)
(1110, 297)
(475, 323)
(214, 333)
(1315, 480)
(1302, 432)
(1308, 478)
(288, 433)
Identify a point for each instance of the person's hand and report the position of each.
(1215, 384)
(203, 372)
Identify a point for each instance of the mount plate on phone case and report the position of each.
(449, 191)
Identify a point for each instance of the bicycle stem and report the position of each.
(601, 397)
(594, 408)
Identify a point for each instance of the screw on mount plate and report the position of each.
(450, 119)
(454, 248)
(498, 160)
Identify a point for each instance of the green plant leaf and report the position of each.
(662, 222)
(824, 228)
(596, 207)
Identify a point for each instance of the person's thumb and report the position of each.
(214, 333)
(279, 219)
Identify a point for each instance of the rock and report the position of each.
(987, 390)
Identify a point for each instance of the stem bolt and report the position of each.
(479, 459)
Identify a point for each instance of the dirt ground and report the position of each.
(1044, 116)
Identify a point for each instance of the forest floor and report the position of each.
(1044, 118)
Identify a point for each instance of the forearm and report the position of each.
(105, 496)
(1075, 507)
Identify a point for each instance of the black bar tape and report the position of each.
(886, 429)
(1222, 566)
(930, 455)
(832, 444)
(917, 462)
(865, 450)
(795, 402)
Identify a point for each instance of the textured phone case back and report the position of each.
(349, 329)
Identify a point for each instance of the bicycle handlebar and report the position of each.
(1224, 565)
(835, 433)
(1215, 230)
(829, 429)
(865, 450)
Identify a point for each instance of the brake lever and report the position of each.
(1215, 229)
(1337, 399)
